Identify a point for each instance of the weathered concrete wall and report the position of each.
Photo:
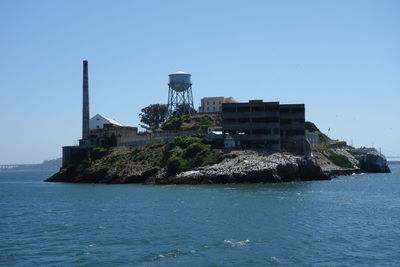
(69, 154)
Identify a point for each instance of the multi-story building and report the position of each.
(292, 124)
(267, 125)
(214, 104)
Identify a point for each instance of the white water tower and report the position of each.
(180, 97)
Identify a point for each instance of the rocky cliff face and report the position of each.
(250, 167)
(370, 160)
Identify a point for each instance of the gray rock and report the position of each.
(370, 160)
(254, 167)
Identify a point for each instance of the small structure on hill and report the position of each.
(100, 122)
(214, 104)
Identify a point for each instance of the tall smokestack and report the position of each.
(85, 109)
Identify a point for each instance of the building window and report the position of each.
(243, 109)
(259, 131)
(295, 132)
(228, 109)
(208, 103)
(297, 110)
(213, 102)
(243, 120)
(97, 127)
(266, 120)
(257, 108)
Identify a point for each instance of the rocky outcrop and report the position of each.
(370, 160)
(249, 167)
(244, 166)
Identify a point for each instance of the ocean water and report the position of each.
(349, 221)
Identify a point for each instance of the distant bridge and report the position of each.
(14, 166)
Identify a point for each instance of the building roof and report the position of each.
(109, 120)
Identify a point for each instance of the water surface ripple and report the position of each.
(353, 220)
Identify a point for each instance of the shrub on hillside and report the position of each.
(340, 160)
(185, 153)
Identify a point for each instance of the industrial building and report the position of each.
(214, 104)
(266, 125)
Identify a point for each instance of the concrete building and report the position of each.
(267, 125)
(214, 104)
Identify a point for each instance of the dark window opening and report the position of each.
(242, 120)
(295, 132)
(258, 109)
(266, 119)
(273, 108)
(228, 109)
(259, 131)
(230, 120)
(297, 110)
(299, 120)
(243, 109)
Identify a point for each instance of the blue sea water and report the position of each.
(348, 221)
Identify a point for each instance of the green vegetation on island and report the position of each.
(135, 164)
(339, 160)
(193, 122)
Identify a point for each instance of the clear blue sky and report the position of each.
(340, 58)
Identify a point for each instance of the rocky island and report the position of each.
(225, 142)
(197, 160)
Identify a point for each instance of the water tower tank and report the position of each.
(180, 81)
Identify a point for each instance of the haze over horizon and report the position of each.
(340, 58)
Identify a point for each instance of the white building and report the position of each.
(214, 104)
(99, 122)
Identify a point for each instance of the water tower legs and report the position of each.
(180, 103)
